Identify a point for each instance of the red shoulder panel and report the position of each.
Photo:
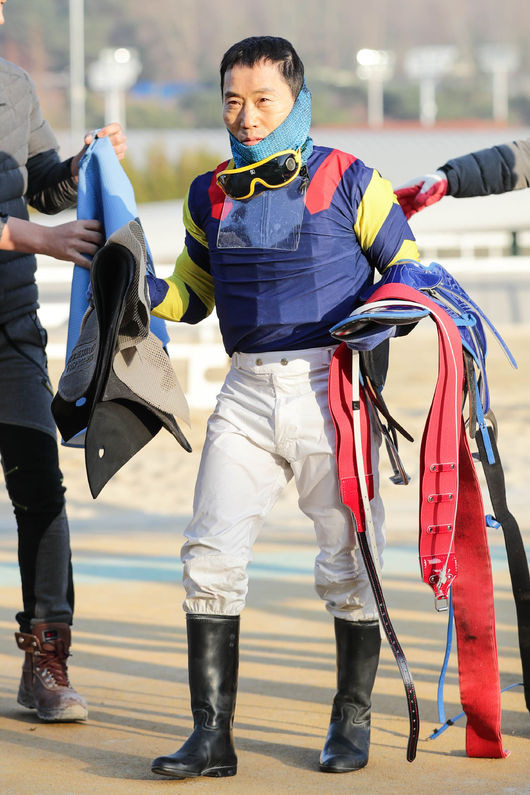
(325, 180)
(215, 193)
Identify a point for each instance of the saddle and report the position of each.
(453, 547)
(118, 382)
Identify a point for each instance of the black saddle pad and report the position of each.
(90, 396)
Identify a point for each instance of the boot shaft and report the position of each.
(348, 741)
(213, 661)
(358, 648)
(213, 664)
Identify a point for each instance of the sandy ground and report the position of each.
(129, 634)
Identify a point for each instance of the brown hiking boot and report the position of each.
(44, 685)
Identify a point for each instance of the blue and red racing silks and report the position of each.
(274, 298)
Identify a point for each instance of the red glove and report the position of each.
(417, 194)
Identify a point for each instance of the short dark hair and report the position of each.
(266, 48)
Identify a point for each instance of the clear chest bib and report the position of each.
(270, 219)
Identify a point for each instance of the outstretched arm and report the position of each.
(188, 294)
(498, 169)
(73, 242)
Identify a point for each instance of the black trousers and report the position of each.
(34, 482)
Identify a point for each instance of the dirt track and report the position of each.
(129, 636)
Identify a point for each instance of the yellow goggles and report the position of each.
(272, 172)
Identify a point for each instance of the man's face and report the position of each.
(2, 20)
(256, 99)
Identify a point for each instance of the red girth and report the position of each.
(452, 523)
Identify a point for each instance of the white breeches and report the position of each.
(272, 423)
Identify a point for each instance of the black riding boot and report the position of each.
(348, 740)
(213, 657)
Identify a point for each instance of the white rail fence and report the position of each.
(499, 284)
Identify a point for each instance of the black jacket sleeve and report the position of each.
(51, 188)
(495, 170)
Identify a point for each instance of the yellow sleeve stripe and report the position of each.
(194, 230)
(185, 275)
(199, 281)
(175, 302)
(408, 250)
(373, 209)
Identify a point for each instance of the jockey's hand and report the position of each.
(116, 136)
(419, 193)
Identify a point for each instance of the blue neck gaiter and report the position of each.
(292, 133)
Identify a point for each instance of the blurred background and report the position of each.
(415, 66)
(403, 86)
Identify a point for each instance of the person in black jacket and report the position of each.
(498, 169)
(32, 173)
